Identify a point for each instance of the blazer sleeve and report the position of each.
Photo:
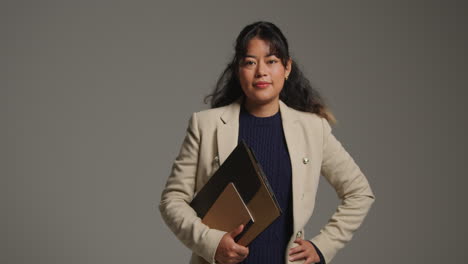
(178, 193)
(351, 186)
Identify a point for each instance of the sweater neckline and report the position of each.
(246, 115)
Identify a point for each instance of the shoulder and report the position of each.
(208, 114)
(310, 123)
(208, 118)
(290, 113)
(307, 118)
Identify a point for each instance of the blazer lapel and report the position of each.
(296, 148)
(228, 130)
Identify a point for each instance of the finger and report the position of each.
(299, 244)
(309, 261)
(236, 231)
(241, 250)
(299, 241)
(301, 255)
(238, 258)
(314, 258)
(294, 250)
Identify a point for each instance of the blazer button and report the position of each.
(299, 234)
(216, 160)
(305, 160)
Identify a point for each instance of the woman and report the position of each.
(263, 98)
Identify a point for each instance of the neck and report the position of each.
(262, 110)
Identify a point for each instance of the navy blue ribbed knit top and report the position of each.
(265, 136)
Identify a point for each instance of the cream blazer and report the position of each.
(211, 136)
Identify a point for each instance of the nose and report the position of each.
(261, 69)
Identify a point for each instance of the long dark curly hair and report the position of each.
(297, 91)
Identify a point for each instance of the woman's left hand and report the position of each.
(305, 250)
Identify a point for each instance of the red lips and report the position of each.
(261, 84)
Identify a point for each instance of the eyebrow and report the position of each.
(252, 56)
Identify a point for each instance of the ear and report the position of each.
(288, 67)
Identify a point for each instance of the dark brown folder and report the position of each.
(243, 170)
(228, 212)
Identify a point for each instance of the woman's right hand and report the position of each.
(228, 251)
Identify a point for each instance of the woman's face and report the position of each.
(262, 74)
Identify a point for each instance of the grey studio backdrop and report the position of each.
(96, 97)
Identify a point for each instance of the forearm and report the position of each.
(188, 228)
(351, 186)
(178, 193)
(340, 228)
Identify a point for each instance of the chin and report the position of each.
(261, 100)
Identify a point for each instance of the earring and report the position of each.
(286, 78)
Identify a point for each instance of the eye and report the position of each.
(249, 63)
(272, 61)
